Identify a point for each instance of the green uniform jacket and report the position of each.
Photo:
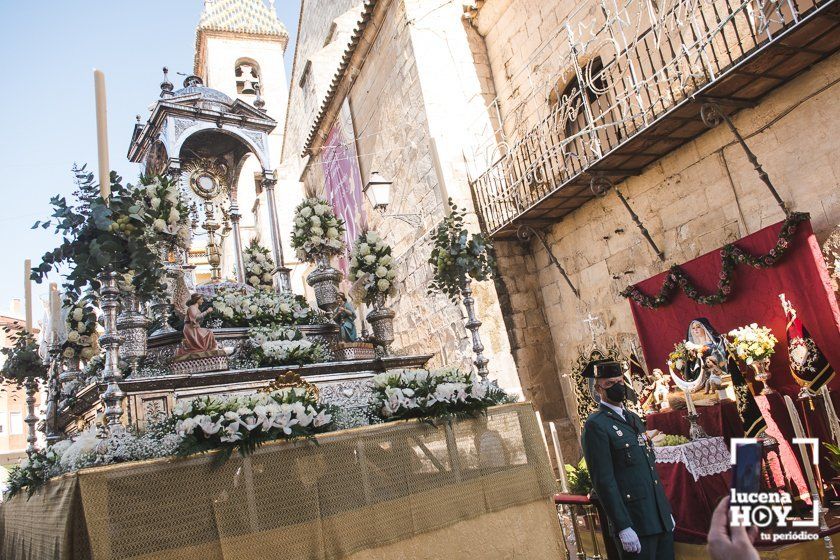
(624, 473)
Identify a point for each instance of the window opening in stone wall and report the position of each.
(304, 75)
(330, 34)
(573, 96)
(247, 77)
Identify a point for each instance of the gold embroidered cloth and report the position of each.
(476, 486)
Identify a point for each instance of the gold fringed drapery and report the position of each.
(479, 485)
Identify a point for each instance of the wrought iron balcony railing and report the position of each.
(634, 78)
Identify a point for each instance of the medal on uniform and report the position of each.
(618, 432)
(642, 442)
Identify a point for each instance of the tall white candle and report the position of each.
(102, 134)
(55, 312)
(558, 456)
(27, 292)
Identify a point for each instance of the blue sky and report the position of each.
(48, 52)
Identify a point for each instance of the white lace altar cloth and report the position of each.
(702, 457)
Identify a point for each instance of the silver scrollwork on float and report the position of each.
(324, 281)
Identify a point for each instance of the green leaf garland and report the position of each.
(731, 255)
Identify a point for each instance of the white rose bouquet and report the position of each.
(372, 264)
(82, 337)
(259, 265)
(398, 395)
(280, 346)
(167, 212)
(317, 230)
(245, 422)
(753, 343)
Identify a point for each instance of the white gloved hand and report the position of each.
(630, 540)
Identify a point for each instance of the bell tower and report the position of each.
(239, 50)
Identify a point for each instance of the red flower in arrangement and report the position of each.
(726, 290)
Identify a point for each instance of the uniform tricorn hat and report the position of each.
(602, 369)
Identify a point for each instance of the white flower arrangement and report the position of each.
(244, 422)
(167, 211)
(317, 230)
(241, 308)
(372, 263)
(82, 336)
(422, 394)
(753, 343)
(159, 439)
(259, 266)
(279, 345)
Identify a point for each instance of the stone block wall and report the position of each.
(698, 198)
(322, 52)
(399, 100)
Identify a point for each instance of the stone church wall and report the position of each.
(317, 19)
(391, 102)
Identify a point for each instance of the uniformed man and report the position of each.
(620, 459)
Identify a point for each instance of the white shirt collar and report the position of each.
(617, 409)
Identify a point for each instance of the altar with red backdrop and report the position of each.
(789, 264)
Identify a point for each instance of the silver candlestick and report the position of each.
(113, 395)
(472, 325)
(31, 388)
(53, 394)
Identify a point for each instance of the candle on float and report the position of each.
(102, 134)
(55, 312)
(558, 456)
(27, 292)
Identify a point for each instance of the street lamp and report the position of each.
(378, 192)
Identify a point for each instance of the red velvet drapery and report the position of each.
(801, 275)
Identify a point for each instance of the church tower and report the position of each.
(239, 50)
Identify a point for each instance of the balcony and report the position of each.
(638, 94)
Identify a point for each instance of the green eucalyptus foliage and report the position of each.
(22, 363)
(457, 255)
(96, 236)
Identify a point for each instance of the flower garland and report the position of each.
(240, 308)
(82, 338)
(317, 230)
(258, 265)
(753, 343)
(279, 346)
(731, 255)
(456, 256)
(398, 395)
(245, 422)
(22, 363)
(372, 263)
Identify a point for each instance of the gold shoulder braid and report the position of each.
(289, 380)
